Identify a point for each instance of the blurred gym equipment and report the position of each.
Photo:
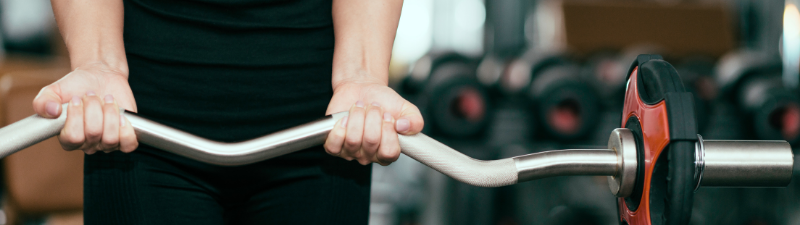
(44, 182)
(550, 87)
(653, 164)
(697, 73)
(752, 82)
(28, 26)
(449, 94)
(563, 103)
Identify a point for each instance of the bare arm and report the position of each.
(364, 33)
(98, 84)
(92, 31)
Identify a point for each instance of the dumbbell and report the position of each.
(509, 76)
(448, 93)
(606, 73)
(564, 105)
(550, 87)
(654, 163)
(752, 82)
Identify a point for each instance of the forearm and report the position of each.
(92, 31)
(364, 34)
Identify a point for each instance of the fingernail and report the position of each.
(76, 101)
(387, 117)
(360, 104)
(89, 152)
(121, 120)
(109, 99)
(51, 108)
(344, 121)
(90, 93)
(403, 125)
(376, 104)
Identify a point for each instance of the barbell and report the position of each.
(654, 162)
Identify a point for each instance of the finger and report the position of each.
(127, 137)
(335, 139)
(372, 133)
(410, 120)
(48, 102)
(389, 150)
(110, 138)
(72, 137)
(92, 120)
(355, 129)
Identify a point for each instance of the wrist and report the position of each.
(106, 56)
(106, 67)
(108, 64)
(344, 77)
(361, 78)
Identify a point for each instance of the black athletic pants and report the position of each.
(150, 186)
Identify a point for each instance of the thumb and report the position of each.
(410, 120)
(47, 103)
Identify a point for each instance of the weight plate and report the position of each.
(657, 98)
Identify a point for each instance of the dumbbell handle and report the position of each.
(434, 154)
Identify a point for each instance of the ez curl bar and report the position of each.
(654, 163)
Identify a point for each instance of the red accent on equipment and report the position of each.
(655, 133)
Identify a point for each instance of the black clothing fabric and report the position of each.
(152, 187)
(227, 70)
(230, 70)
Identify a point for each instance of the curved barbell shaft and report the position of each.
(420, 147)
(492, 173)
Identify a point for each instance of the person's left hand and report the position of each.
(377, 114)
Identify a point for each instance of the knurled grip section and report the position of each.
(29, 131)
(434, 154)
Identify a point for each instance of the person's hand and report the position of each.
(369, 132)
(95, 93)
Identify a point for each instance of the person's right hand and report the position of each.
(95, 93)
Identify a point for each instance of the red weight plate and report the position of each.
(655, 134)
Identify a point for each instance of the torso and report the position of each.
(230, 70)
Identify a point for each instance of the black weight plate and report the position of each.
(442, 93)
(559, 90)
(671, 191)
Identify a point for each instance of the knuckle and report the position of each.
(352, 143)
(94, 132)
(110, 141)
(388, 156)
(372, 141)
(72, 138)
(129, 147)
(331, 149)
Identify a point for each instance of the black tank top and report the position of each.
(230, 70)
